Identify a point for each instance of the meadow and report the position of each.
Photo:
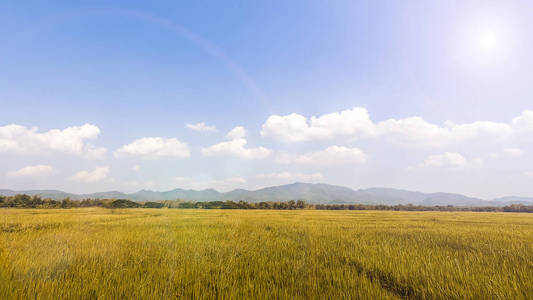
(97, 253)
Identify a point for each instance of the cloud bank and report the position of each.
(71, 140)
(98, 174)
(448, 159)
(356, 123)
(235, 147)
(31, 171)
(153, 148)
(332, 155)
(201, 127)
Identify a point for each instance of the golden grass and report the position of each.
(243, 254)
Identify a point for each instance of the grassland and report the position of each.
(169, 253)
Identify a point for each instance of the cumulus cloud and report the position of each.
(236, 133)
(416, 131)
(333, 155)
(94, 152)
(71, 140)
(356, 123)
(31, 171)
(98, 174)
(154, 147)
(524, 121)
(236, 147)
(201, 127)
(290, 176)
(448, 159)
(296, 128)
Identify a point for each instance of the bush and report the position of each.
(123, 203)
(153, 205)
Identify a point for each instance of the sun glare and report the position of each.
(488, 42)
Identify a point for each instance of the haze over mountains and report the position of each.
(312, 193)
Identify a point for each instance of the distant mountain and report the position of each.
(52, 194)
(514, 199)
(312, 193)
(103, 195)
(193, 195)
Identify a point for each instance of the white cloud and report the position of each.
(524, 121)
(296, 128)
(448, 159)
(31, 171)
(236, 133)
(236, 147)
(8, 145)
(154, 147)
(513, 152)
(95, 153)
(333, 155)
(71, 140)
(201, 127)
(416, 131)
(356, 123)
(98, 174)
(290, 176)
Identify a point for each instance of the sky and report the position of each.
(129, 95)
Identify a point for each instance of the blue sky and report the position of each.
(137, 73)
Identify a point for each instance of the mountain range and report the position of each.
(309, 192)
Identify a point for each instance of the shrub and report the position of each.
(123, 203)
(153, 205)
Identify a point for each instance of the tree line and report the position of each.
(27, 201)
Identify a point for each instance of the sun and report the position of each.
(485, 40)
(489, 42)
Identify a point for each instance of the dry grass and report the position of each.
(161, 254)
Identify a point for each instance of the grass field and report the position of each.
(169, 253)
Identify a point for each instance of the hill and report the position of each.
(313, 193)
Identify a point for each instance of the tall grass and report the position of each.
(206, 254)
